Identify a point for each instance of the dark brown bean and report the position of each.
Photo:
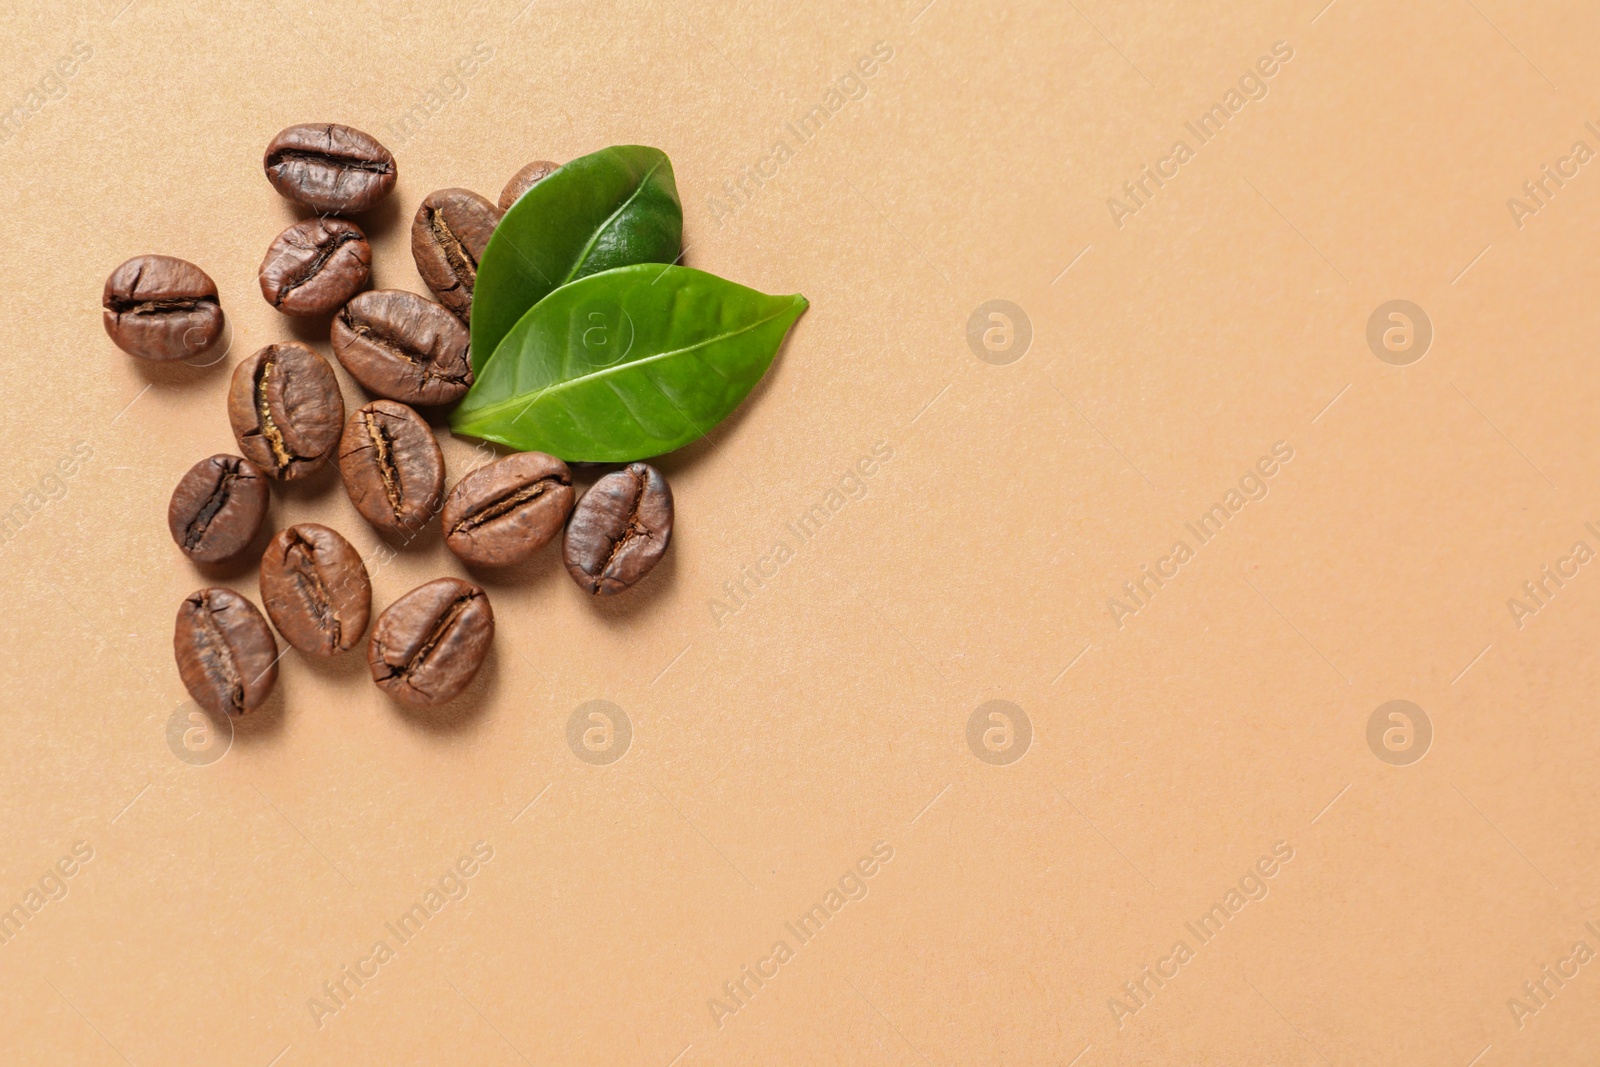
(505, 512)
(286, 410)
(226, 655)
(315, 589)
(392, 467)
(217, 508)
(619, 530)
(161, 308)
(315, 266)
(426, 646)
(329, 168)
(525, 179)
(403, 347)
(448, 236)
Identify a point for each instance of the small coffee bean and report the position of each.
(426, 646)
(315, 266)
(392, 467)
(217, 508)
(161, 308)
(286, 410)
(505, 512)
(329, 168)
(619, 530)
(403, 347)
(448, 236)
(226, 655)
(525, 179)
(315, 589)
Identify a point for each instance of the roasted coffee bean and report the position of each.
(315, 589)
(448, 236)
(505, 512)
(392, 467)
(161, 308)
(315, 266)
(226, 655)
(619, 530)
(427, 645)
(525, 179)
(403, 347)
(329, 168)
(286, 410)
(217, 508)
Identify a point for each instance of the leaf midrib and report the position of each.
(477, 417)
(583, 257)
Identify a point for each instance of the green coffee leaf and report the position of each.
(626, 364)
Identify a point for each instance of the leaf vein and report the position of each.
(583, 256)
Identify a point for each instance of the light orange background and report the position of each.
(773, 747)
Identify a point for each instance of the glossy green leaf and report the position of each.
(609, 209)
(626, 364)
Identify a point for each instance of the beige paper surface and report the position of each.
(1194, 504)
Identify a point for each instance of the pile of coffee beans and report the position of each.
(287, 413)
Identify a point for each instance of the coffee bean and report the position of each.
(329, 168)
(315, 589)
(448, 236)
(161, 308)
(315, 266)
(392, 467)
(403, 347)
(217, 508)
(286, 410)
(505, 512)
(619, 530)
(427, 645)
(226, 655)
(525, 179)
